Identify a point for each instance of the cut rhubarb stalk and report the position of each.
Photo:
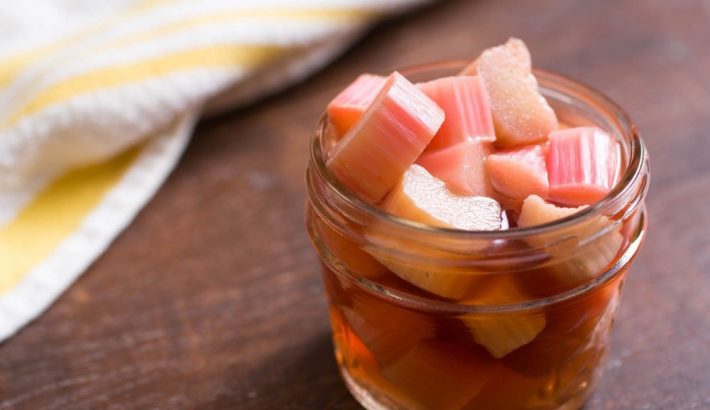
(572, 328)
(594, 259)
(572, 263)
(583, 165)
(436, 271)
(346, 252)
(520, 113)
(466, 106)
(422, 198)
(518, 173)
(501, 333)
(440, 375)
(355, 354)
(461, 167)
(508, 389)
(388, 330)
(362, 365)
(442, 278)
(372, 157)
(348, 106)
(536, 211)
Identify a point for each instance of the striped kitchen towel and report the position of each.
(99, 98)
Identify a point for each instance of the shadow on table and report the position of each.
(298, 377)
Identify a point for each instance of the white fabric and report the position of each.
(47, 128)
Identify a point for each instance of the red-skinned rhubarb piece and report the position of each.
(518, 173)
(372, 157)
(461, 167)
(467, 107)
(348, 106)
(583, 165)
(520, 113)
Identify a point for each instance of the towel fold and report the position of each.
(99, 99)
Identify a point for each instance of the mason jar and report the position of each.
(433, 318)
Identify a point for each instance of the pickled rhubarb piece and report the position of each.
(583, 165)
(348, 106)
(520, 113)
(572, 327)
(422, 198)
(518, 173)
(372, 157)
(593, 259)
(466, 107)
(502, 333)
(536, 211)
(439, 375)
(441, 279)
(435, 271)
(356, 355)
(508, 389)
(389, 331)
(572, 265)
(362, 366)
(347, 252)
(461, 167)
(508, 331)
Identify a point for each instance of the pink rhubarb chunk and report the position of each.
(374, 154)
(461, 167)
(583, 165)
(467, 107)
(520, 113)
(519, 173)
(348, 106)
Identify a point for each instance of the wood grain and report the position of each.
(212, 298)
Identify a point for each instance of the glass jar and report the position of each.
(435, 318)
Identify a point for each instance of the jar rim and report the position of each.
(564, 86)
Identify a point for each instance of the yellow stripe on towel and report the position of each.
(12, 65)
(234, 16)
(54, 214)
(214, 56)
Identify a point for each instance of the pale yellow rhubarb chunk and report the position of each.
(573, 262)
(536, 211)
(501, 333)
(422, 198)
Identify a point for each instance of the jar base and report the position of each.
(364, 396)
(371, 400)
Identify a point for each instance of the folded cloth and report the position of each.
(99, 98)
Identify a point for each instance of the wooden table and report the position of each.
(213, 299)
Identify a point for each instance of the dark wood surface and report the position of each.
(212, 298)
